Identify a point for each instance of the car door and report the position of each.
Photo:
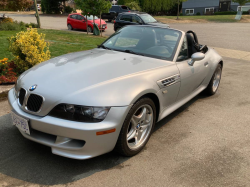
(72, 20)
(192, 77)
(125, 20)
(81, 24)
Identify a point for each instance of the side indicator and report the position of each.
(105, 132)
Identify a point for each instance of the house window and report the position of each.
(189, 11)
(209, 10)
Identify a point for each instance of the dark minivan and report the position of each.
(135, 18)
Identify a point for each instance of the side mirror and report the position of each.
(196, 57)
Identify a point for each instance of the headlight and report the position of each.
(80, 113)
(95, 24)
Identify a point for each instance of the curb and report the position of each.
(4, 91)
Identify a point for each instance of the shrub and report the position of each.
(68, 9)
(181, 14)
(8, 20)
(225, 13)
(7, 75)
(15, 26)
(198, 13)
(29, 48)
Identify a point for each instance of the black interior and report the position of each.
(193, 44)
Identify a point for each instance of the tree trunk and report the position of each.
(87, 24)
(94, 23)
(37, 16)
(101, 22)
(178, 10)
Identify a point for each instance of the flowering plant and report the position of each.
(29, 48)
(7, 75)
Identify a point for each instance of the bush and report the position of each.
(15, 26)
(225, 13)
(198, 13)
(29, 48)
(8, 20)
(68, 9)
(181, 14)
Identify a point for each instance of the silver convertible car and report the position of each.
(88, 103)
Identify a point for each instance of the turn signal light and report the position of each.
(105, 132)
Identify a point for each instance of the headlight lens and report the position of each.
(95, 24)
(80, 113)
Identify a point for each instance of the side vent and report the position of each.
(169, 81)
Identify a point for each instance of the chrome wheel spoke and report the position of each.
(131, 135)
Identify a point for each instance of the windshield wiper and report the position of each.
(132, 52)
(104, 47)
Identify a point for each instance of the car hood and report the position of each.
(158, 24)
(64, 76)
(97, 21)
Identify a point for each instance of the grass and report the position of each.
(202, 18)
(61, 42)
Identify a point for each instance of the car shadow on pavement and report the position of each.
(31, 162)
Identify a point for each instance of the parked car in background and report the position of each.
(38, 7)
(115, 11)
(78, 21)
(135, 18)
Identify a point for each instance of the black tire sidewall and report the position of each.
(71, 28)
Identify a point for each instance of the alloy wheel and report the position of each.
(140, 127)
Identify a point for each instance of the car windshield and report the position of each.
(147, 18)
(91, 17)
(146, 41)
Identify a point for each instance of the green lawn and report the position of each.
(210, 18)
(61, 42)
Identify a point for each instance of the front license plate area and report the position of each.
(20, 123)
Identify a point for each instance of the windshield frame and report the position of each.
(144, 54)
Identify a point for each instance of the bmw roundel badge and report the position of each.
(32, 88)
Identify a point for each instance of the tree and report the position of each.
(51, 6)
(242, 2)
(103, 6)
(16, 4)
(133, 5)
(86, 8)
(178, 12)
(93, 7)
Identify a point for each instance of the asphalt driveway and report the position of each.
(204, 143)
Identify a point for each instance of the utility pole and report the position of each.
(37, 15)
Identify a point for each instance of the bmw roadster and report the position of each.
(85, 104)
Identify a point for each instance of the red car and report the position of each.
(78, 21)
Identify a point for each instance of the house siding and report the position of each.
(200, 5)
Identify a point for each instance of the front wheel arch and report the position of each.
(154, 98)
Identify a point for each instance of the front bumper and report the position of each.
(72, 139)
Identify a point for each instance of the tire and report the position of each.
(90, 29)
(109, 20)
(214, 82)
(137, 129)
(70, 27)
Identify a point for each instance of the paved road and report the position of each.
(204, 143)
(224, 35)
